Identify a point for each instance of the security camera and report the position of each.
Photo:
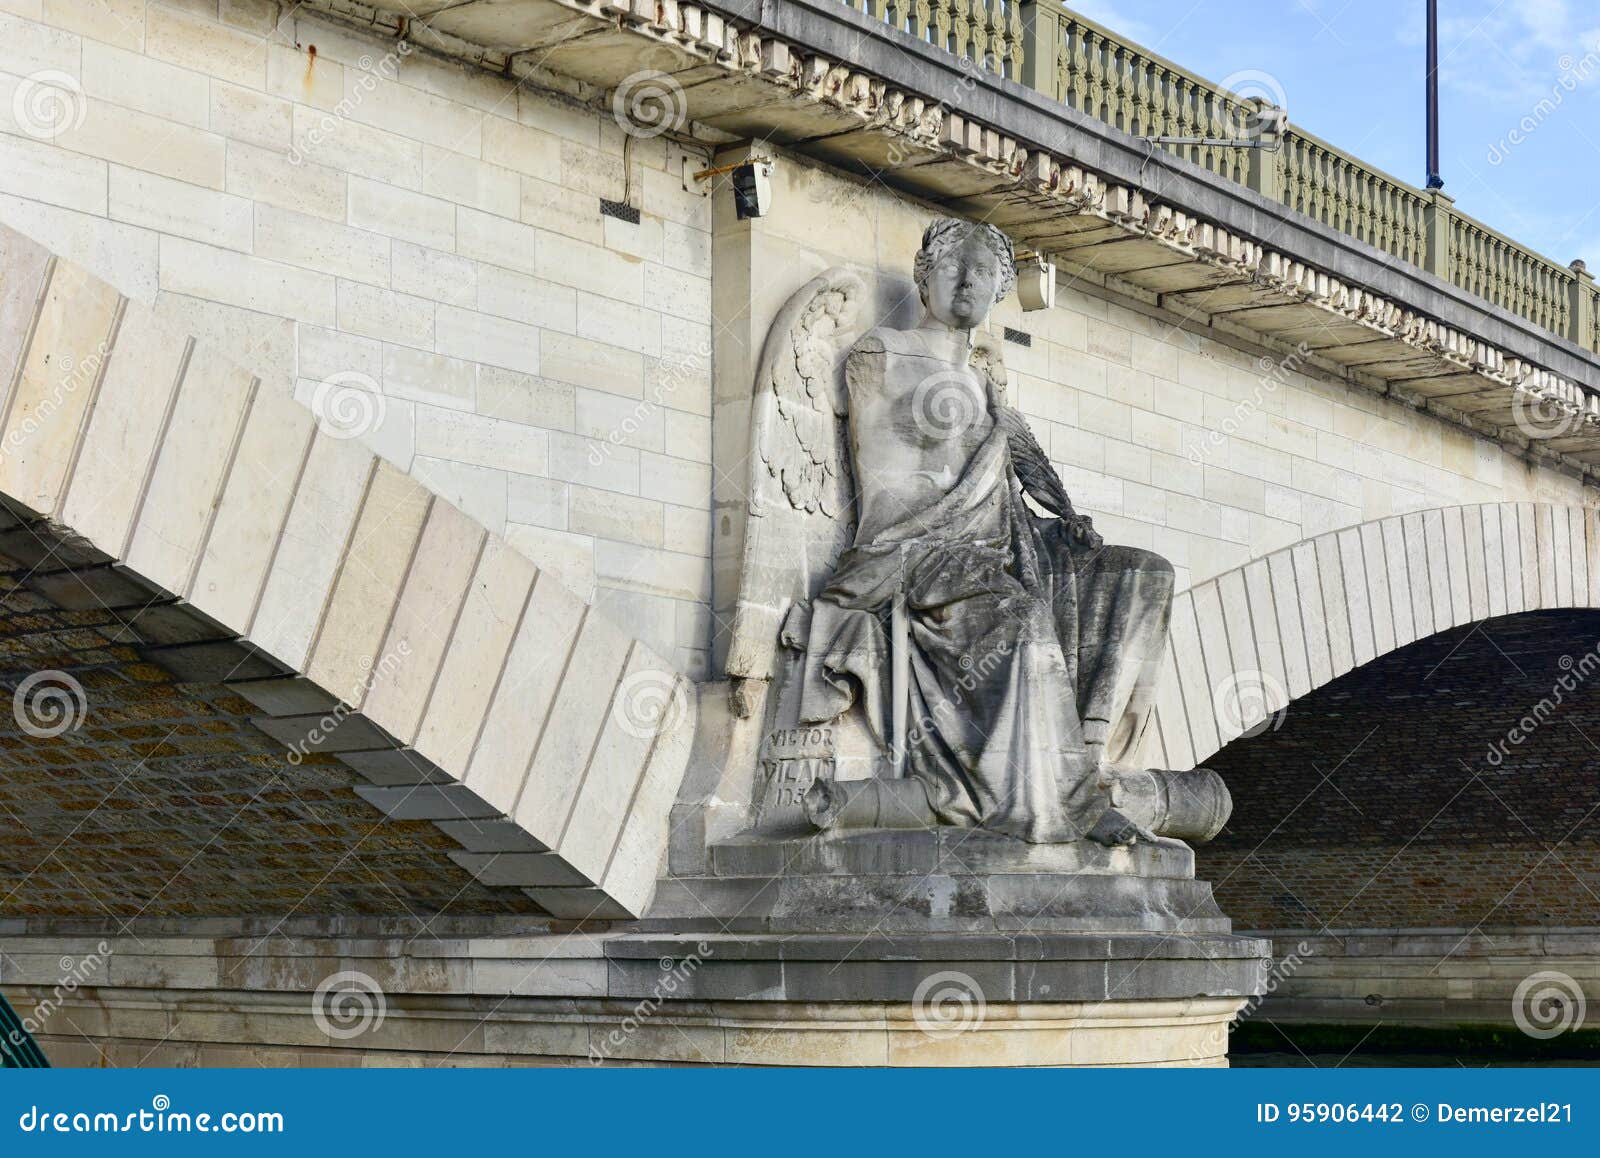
(752, 189)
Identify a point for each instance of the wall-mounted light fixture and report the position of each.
(1036, 281)
(752, 185)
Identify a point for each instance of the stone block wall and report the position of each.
(1173, 434)
(368, 220)
(395, 223)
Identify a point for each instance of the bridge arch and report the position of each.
(1246, 643)
(207, 523)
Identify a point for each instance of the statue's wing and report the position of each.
(1034, 471)
(802, 497)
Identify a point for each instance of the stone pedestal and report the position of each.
(949, 947)
(491, 994)
(1024, 999)
(940, 880)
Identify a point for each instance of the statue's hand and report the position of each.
(1081, 529)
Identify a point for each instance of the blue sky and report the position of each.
(1352, 73)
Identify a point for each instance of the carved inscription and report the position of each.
(791, 758)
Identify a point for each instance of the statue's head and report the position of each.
(962, 270)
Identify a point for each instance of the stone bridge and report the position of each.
(374, 451)
(1252, 640)
(186, 547)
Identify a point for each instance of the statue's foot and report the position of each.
(1115, 830)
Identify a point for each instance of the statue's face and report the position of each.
(961, 287)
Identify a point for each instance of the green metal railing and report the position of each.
(18, 1050)
(1091, 68)
(987, 32)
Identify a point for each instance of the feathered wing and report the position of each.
(1032, 464)
(1034, 469)
(1028, 458)
(802, 496)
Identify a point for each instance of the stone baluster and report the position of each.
(1016, 49)
(1113, 81)
(1291, 173)
(1185, 124)
(997, 36)
(1166, 98)
(1314, 167)
(1093, 44)
(960, 27)
(1081, 78)
(1128, 93)
(1343, 215)
(943, 16)
(1144, 105)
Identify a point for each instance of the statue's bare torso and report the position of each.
(918, 413)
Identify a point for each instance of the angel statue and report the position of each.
(936, 583)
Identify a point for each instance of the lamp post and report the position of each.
(1434, 180)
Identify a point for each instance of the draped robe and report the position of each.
(1019, 635)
